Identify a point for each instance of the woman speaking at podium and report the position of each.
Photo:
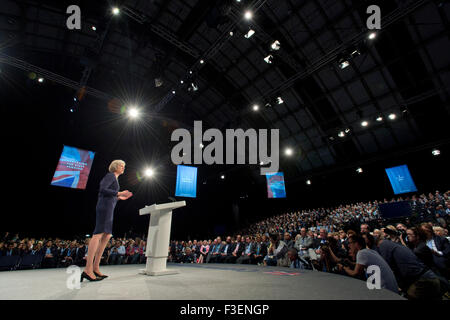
(107, 199)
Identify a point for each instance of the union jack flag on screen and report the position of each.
(73, 168)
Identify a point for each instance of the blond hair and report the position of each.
(113, 166)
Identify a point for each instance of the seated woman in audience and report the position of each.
(204, 249)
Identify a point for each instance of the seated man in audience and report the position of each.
(440, 247)
(303, 243)
(50, 256)
(261, 249)
(188, 256)
(296, 261)
(226, 251)
(415, 279)
(248, 255)
(287, 239)
(236, 250)
(214, 253)
(364, 258)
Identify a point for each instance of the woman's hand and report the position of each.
(124, 195)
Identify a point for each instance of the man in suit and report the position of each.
(248, 254)
(236, 252)
(225, 251)
(440, 247)
(50, 255)
(261, 249)
(11, 250)
(214, 253)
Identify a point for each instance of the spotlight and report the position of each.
(193, 87)
(248, 15)
(372, 35)
(222, 177)
(115, 11)
(173, 91)
(71, 110)
(343, 64)
(392, 116)
(249, 33)
(181, 81)
(279, 100)
(231, 33)
(149, 172)
(379, 118)
(347, 130)
(255, 107)
(190, 71)
(436, 152)
(94, 28)
(341, 134)
(202, 62)
(308, 182)
(133, 112)
(275, 45)
(359, 170)
(364, 123)
(288, 152)
(268, 59)
(41, 80)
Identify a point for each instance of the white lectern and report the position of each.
(158, 237)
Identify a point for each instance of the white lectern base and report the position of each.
(158, 273)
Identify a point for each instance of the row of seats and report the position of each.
(28, 261)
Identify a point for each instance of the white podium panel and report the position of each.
(157, 247)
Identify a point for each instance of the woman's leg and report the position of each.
(101, 247)
(92, 250)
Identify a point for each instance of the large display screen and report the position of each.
(73, 168)
(275, 185)
(186, 182)
(401, 180)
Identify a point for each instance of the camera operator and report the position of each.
(367, 257)
(330, 254)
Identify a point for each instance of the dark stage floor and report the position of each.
(196, 282)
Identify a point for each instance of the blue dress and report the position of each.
(107, 200)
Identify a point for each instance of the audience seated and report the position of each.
(413, 254)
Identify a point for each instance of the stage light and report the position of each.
(222, 177)
(288, 152)
(372, 35)
(268, 59)
(149, 172)
(347, 130)
(343, 64)
(181, 81)
(94, 28)
(308, 182)
(115, 11)
(248, 15)
(190, 71)
(364, 123)
(193, 87)
(341, 134)
(71, 110)
(392, 116)
(202, 62)
(249, 33)
(173, 91)
(359, 170)
(436, 152)
(133, 112)
(41, 80)
(379, 118)
(255, 107)
(275, 45)
(231, 33)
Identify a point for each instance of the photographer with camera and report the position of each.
(367, 257)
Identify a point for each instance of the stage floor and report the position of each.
(193, 282)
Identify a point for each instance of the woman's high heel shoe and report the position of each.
(84, 275)
(99, 276)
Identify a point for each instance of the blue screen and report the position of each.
(275, 185)
(401, 180)
(186, 182)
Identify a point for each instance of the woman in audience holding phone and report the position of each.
(107, 199)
